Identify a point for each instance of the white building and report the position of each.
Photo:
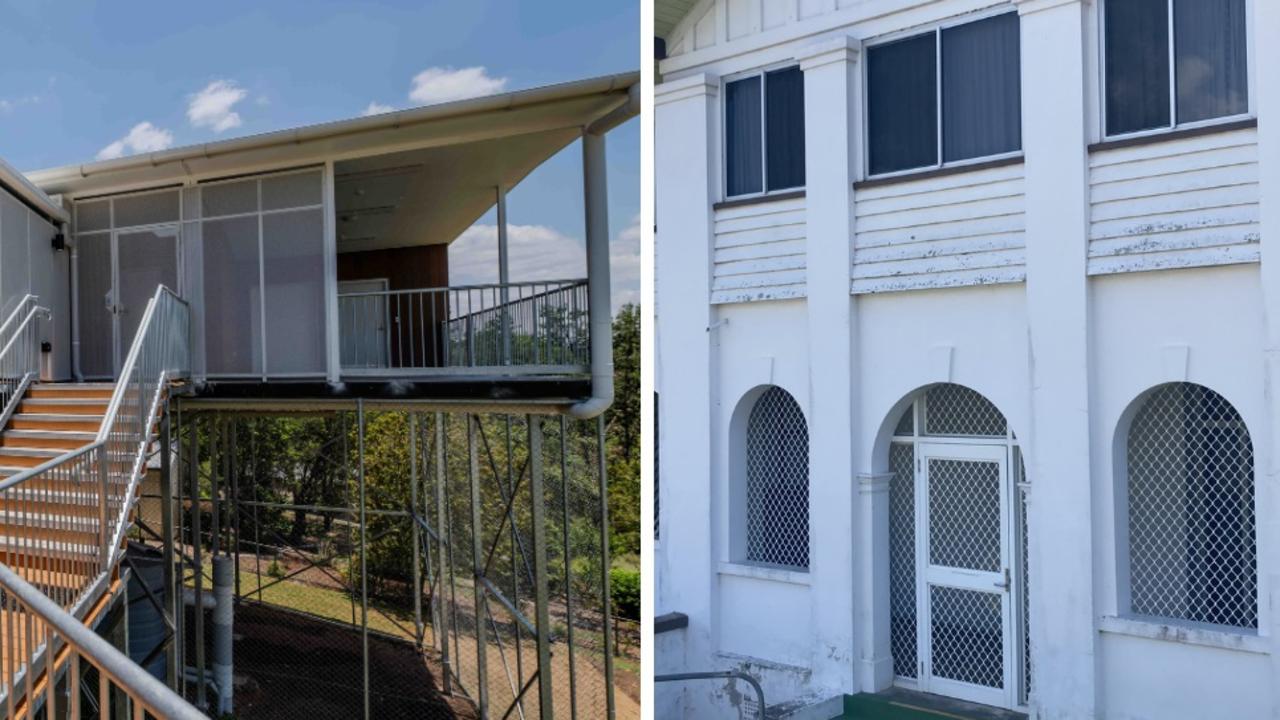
(968, 350)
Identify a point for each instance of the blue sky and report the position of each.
(78, 80)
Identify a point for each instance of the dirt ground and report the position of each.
(292, 666)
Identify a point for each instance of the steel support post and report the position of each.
(173, 594)
(193, 465)
(364, 555)
(515, 564)
(568, 566)
(445, 552)
(504, 274)
(542, 610)
(477, 567)
(604, 568)
(414, 529)
(180, 625)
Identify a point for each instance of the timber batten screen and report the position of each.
(1190, 504)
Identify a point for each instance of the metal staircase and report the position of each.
(71, 460)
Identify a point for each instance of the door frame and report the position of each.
(117, 342)
(1005, 582)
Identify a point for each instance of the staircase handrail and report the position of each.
(146, 692)
(113, 462)
(20, 357)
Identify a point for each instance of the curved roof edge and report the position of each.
(17, 184)
(604, 85)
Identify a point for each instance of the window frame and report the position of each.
(760, 72)
(1173, 126)
(936, 28)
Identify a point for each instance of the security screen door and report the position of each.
(118, 274)
(966, 639)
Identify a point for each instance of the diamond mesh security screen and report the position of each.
(902, 559)
(1192, 553)
(964, 514)
(957, 410)
(967, 636)
(906, 423)
(777, 481)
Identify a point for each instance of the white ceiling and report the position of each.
(428, 196)
(668, 13)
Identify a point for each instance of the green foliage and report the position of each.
(624, 587)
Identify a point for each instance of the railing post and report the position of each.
(104, 532)
(414, 529)
(477, 567)
(542, 599)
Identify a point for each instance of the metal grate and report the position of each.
(967, 636)
(1192, 552)
(964, 514)
(956, 410)
(777, 481)
(902, 559)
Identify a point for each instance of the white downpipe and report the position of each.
(596, 203)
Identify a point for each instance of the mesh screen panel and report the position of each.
(967, 636)
(964, 514)
(777, 481)
(291, 191)
(94, 215)
(902, 559)
(148, 209)
(1192, 553)
(234, 198)
(957, 410)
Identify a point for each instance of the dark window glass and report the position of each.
(1137, 65)
(784, 128)
(1210, 57)
(981, 98)
(742, 136)
(902, 104)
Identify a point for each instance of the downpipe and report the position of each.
(599, 291)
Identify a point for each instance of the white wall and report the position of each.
(1060, 288)
(29, 264)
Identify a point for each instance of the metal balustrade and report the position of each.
(19, 352)
(64, 524)
(517, 328)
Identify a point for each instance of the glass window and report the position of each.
(764, 132)
(1207, 79)
(784, 128)
(980, 113)
(981, 89)
(742, 136)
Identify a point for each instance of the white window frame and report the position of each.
(936, 28)
(760, 72)
(1173, 126)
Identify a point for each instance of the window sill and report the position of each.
(1153, 138)
(1185, 634)
(765, 572)
(936, 172)
(759, 199)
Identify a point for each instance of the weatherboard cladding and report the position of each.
(959, 229)
(1181, 203)
(759, 252)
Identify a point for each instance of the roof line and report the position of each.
(603, 85)
(17, 183)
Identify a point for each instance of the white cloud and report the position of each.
(376, 108)
(539, 252)
(7, 106)
(442, 84)
(213, 107)
(144, 137)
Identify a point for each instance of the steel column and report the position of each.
(542, 600)
(413, 528)
(477, 567)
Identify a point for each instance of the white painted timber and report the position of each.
(962, 229)
(759, 252)
(1182, 203)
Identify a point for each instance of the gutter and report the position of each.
(609, 84)
(599, 295)
(16, 183)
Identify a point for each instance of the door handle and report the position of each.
(1006, 583)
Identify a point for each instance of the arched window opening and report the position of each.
(1192, 541)
(777, 480)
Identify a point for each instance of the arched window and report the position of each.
(777, 482)
(1192, 547)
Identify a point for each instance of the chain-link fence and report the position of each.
(394, 564)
